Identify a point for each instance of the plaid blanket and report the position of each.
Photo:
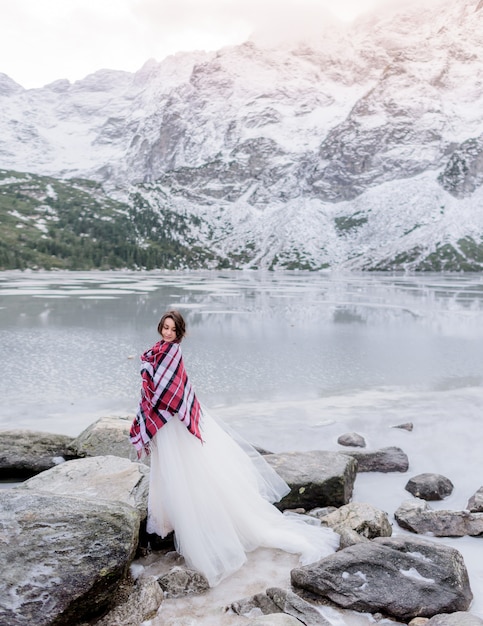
(166, 391)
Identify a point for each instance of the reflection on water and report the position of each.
(70, 342)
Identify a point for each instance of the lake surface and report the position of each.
(70, 342)
(292, 360)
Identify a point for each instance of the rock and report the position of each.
(140, 602)
(257, 603)
(349, 537)
(316, 478)
(390, 459)
(402, 577)
(406, 426)
(459, 618)
(101, 477)
(416, 515)
(365, 519)
(66, 556)
(352, 439)
(475, 503)
(429, 486)
(277, 619)
(292, 604)
(24, 453)
(418, 621)
(277, 600)
(180, 581)
(108, 435)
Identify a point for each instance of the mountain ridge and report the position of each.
(359, 151)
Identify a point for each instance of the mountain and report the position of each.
(73, 224)
(359, 147)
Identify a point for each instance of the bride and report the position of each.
(213, 489)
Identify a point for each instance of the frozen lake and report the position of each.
(292, 360)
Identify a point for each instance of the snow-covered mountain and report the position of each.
(361, 147)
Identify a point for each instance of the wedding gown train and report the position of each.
(217, 497)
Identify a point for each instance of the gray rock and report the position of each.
(138, 603)
(277, 600)
(406, 426)
(475, 503)
(402, 577)
(260, 602)
(65, 556)
(349, 537)
(459, 618)
(316, 478)
(416, 515)
(363, 518)
(181, 581)
(101, 477)
(390, 459)
(292, 604)
(430, 486)
(24, 453)
(108, 435)
(352, 439)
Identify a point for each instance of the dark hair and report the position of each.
(179, 324)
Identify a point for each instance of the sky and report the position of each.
(46, 40)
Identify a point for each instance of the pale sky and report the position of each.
(45, 40)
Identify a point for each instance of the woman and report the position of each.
(213, 491)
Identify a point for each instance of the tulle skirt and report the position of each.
(216, 497)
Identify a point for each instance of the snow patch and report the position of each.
(413, 573)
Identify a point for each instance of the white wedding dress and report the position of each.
(216, 497)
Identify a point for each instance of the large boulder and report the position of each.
(390, 459)
(316, 478)
(65, 556)
(24, 453)
(402, 577)
(101, 477)
(363, 518)
(417, 516)
(108, 435)
(429, 486)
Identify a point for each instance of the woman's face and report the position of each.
(168, 332)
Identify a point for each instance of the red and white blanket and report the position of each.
(166, 391)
